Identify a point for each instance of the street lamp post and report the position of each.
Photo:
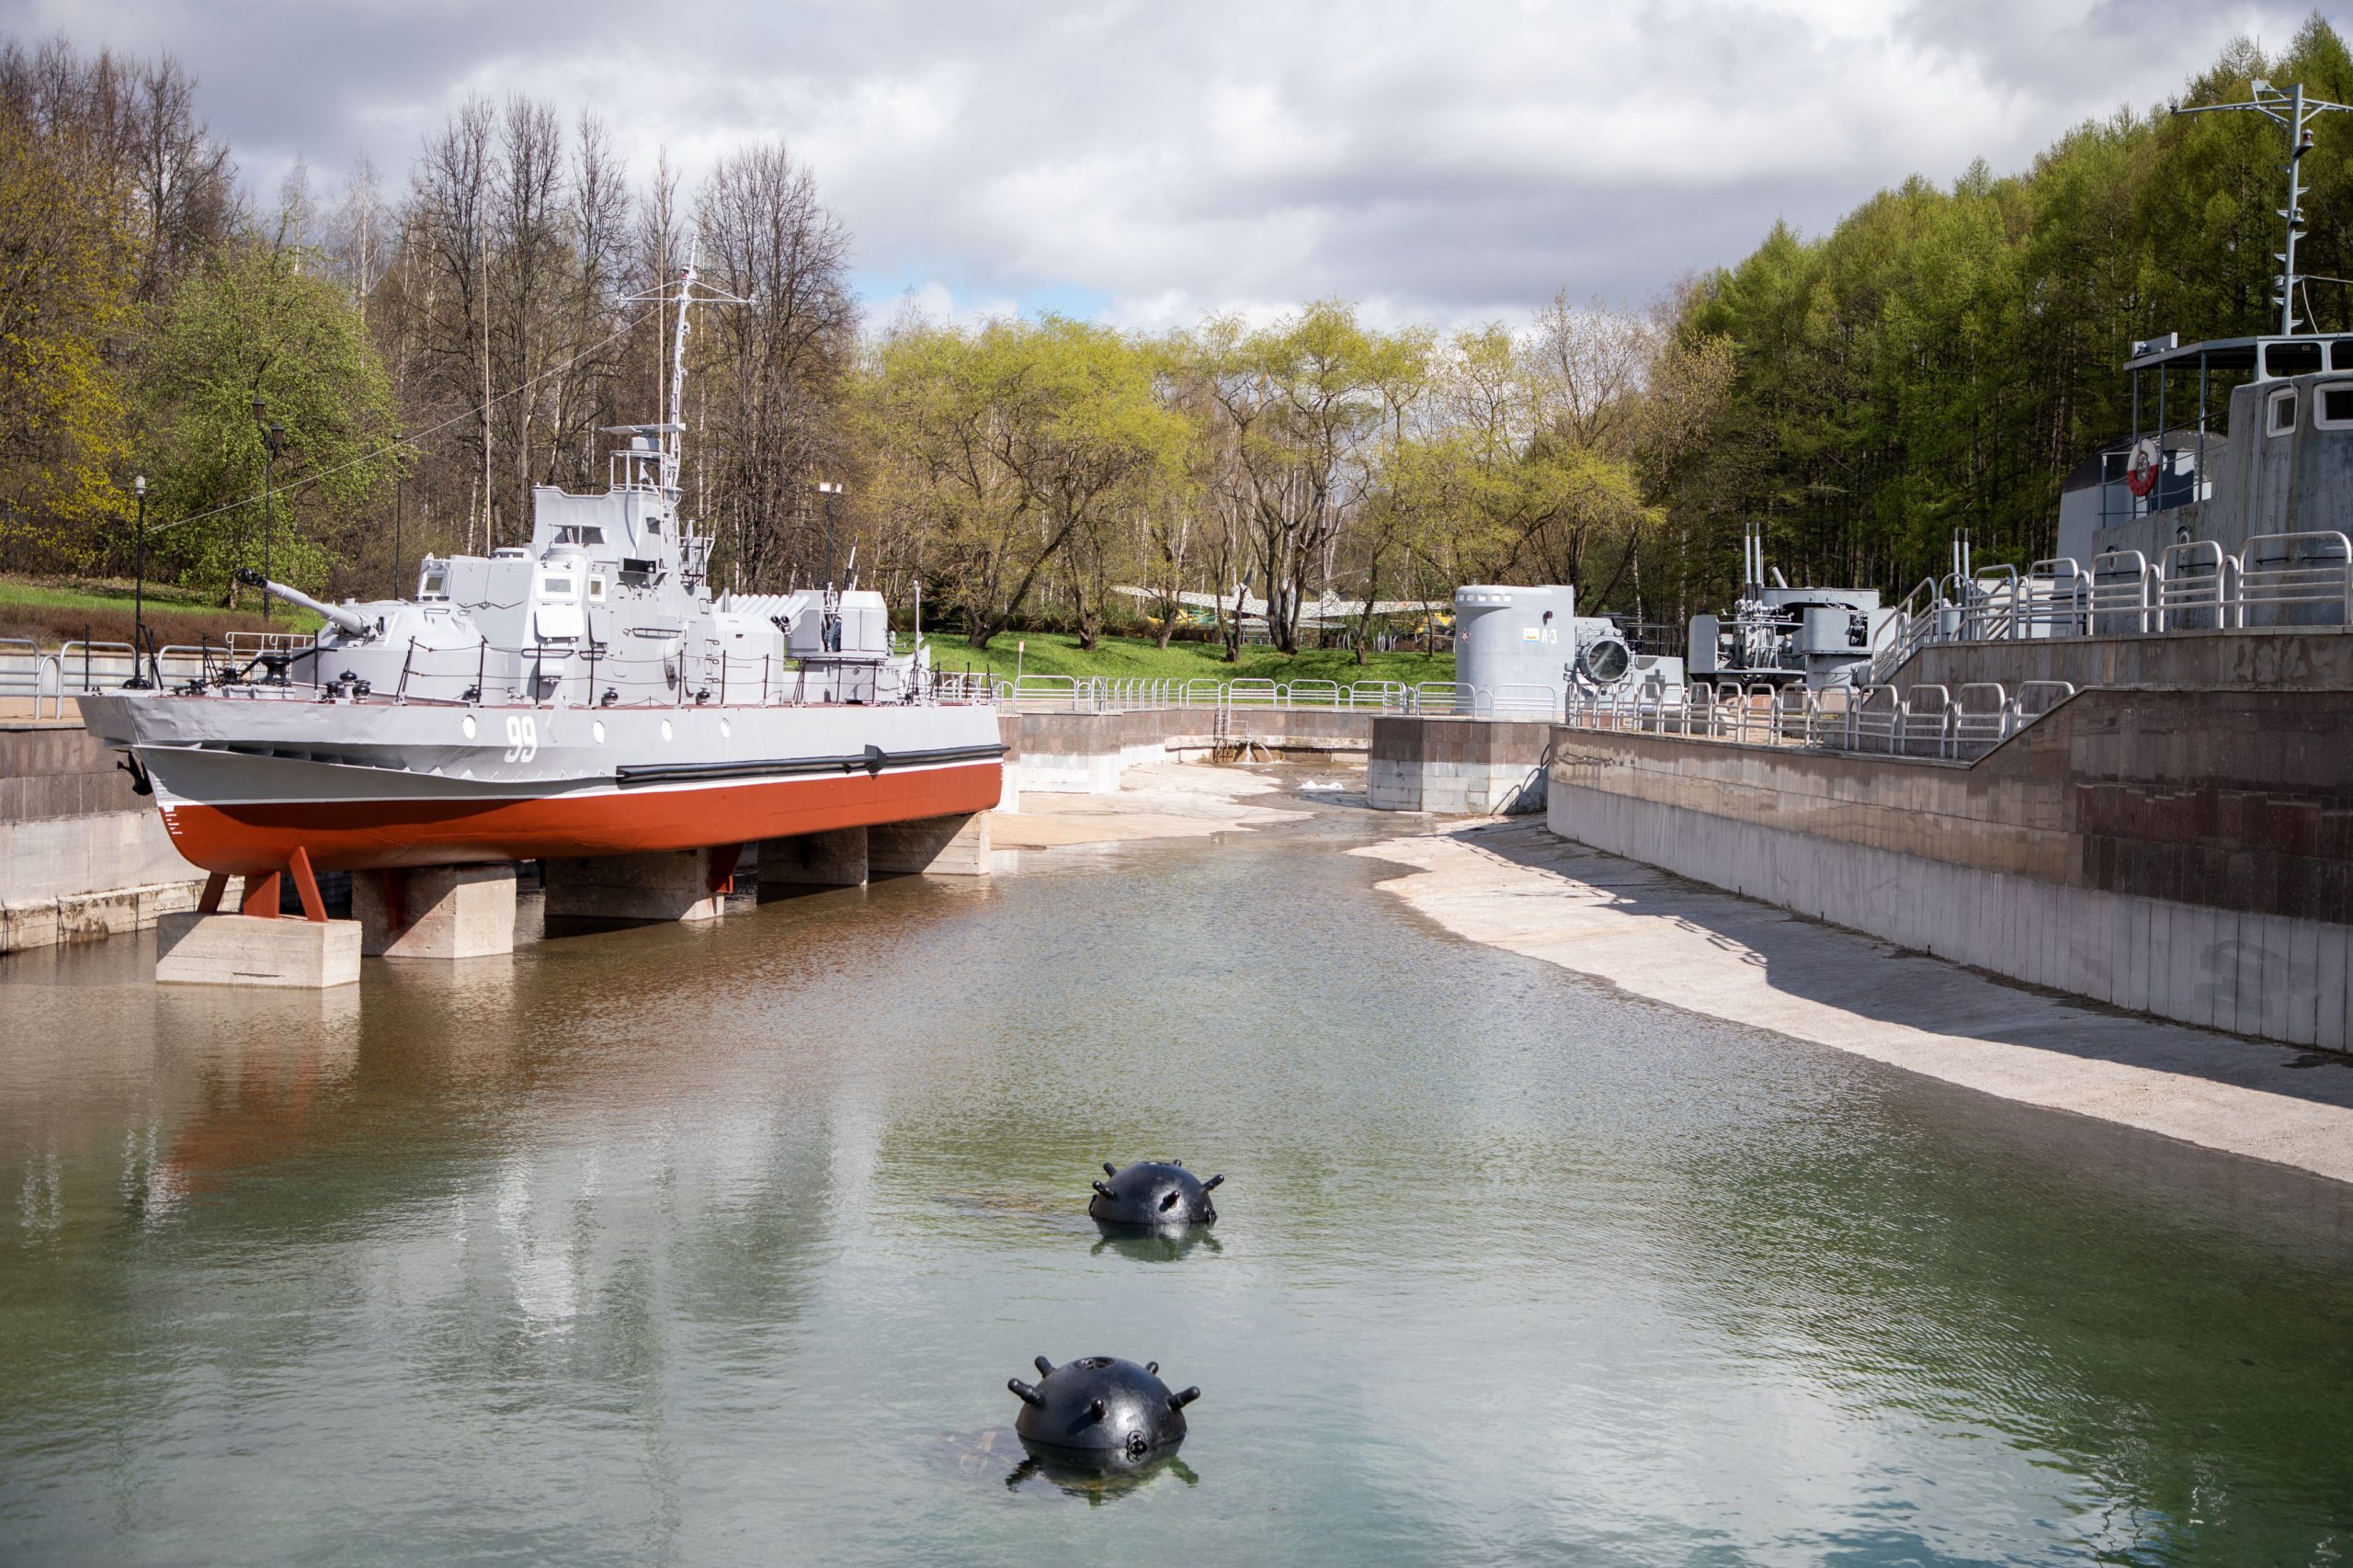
(830, 492)
(138, 586)
(273, 437)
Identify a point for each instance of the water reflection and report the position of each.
(1154, 1246)
(573, 1256)
(1096, 1481)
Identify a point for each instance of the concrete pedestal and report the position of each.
(435, 912)
(677, 884)
(1456, 767)
(939, 847)
(835, 859)
(243, 950)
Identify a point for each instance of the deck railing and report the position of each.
(2296, 579)
(1923, 721)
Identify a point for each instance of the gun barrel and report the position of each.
(334, 615)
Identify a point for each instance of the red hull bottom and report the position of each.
(351, 836)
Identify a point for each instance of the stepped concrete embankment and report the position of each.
(2186, 853)
(81, 854)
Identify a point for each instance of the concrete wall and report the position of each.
(1083, 752)
(1458, 766)
(2256, 658)
(2187, 854)
(81, 854)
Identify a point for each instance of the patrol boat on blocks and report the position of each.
(585, 695)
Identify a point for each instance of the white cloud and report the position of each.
(1443, 163)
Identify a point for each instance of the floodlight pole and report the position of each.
(2293, 112)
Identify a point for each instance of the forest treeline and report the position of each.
(425, 349)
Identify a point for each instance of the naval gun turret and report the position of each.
(348, 621)
(1785, 636)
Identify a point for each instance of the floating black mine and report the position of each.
(1100, 1410)
(1154, 1195)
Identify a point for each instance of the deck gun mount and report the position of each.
(1782, 635)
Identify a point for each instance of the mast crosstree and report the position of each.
(2293, 112)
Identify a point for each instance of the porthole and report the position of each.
(665, 729)
(467, 724)
(726, 731)
(597, 728)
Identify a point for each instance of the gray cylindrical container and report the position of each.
(1508, 639)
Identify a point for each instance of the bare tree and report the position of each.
(449, 225)
(776, 368)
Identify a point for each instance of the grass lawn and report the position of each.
(1120, 658)
(50, 611)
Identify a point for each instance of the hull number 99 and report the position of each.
(522, 737)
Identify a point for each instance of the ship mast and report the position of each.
(672, 439)
(2292, 112)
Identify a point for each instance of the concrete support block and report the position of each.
(243, 949)
(435, 912)
(1063, 773)
(835, 859)
(939, 847)
(675, 884)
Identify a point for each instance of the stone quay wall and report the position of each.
(82, 856)
(1083, 752)
(2187, 853)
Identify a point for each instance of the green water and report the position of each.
(717, 1246)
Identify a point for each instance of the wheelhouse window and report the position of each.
(556, 585)
(433, 583)
(578, 533)
(596, 587)
(2280, 416)
(2290, 358)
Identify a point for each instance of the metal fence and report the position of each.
(2298, 579)
(1925, 721)
(1434, 698)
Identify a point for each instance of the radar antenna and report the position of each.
(2292, 112)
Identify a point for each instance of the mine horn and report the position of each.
(1101, 1189)
(1109, 1169)
(1024, 1393)
(1045, 1368)
(1098, 1409)
(1212, 1182)
(1179, 1400)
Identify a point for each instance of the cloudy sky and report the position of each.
(1147, 161)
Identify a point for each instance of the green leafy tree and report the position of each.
(257, 322)
(1012, 444)
(68, 263)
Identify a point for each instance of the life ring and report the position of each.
(2141, 472)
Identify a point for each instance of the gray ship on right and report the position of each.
(2124, 772)
(2186, 525)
